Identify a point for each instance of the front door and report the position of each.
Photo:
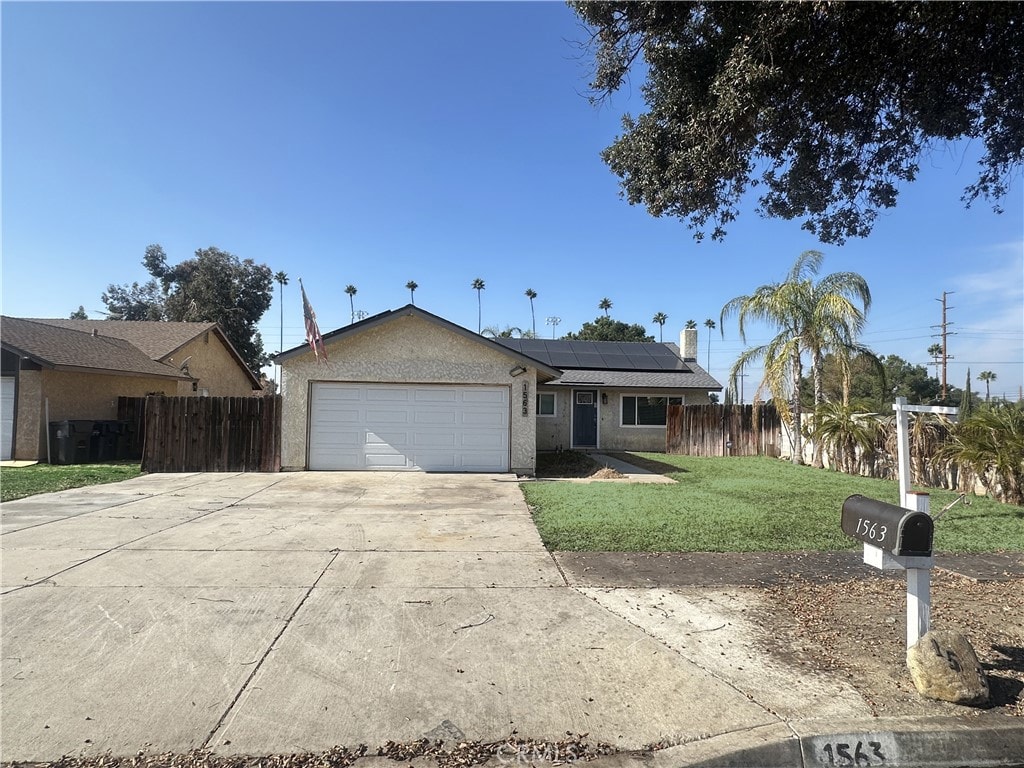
(584, 418)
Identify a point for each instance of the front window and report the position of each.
(646, 410)
(545, 403)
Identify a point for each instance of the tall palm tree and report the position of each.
(935, 353)
(660, 318)
(282, 280)
(810, 317)
(351, 290)
(710, 325)
(988, 377)
(531, 295)
(412, 286)
(478, 286)
(605, 304)
(691, 324)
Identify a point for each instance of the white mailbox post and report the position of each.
(882, 530)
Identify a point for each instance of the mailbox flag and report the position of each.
(313, 337)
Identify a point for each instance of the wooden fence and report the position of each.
(723, 430)
(211, 434)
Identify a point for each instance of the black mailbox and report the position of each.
(896, 530)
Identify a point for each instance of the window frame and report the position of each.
(554, 405)
(669, 400)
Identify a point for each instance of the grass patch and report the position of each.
(743, 504)
(19, 482)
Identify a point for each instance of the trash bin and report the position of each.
(71, 441)
(110, 440)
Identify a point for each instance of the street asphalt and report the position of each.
(278, 613)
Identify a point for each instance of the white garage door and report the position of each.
(435, 428)
(6, 416)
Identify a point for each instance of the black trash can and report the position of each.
(110, 439)
(71, 441)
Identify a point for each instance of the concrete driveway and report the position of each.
(273, 613)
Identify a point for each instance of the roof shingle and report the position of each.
(56, 346)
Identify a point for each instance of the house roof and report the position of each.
(158, 340)
(632, 365)
(546, 371)
(53, 346)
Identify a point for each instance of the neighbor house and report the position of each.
(55, 369)
(407, 389)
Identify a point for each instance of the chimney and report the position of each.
(688, 344)
(95, 333)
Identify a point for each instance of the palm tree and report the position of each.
(988, 377)
(843, 429)
(710, 325)
(531, 295)
(282, 280)
(691, 324)
(991, 443)
(660, 318)
(809, 317)
(508, 332)
(412, 286)
(935, 353)
(351, 291)
(605, 304)
(478, 286)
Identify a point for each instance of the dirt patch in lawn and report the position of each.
(572, 464)
(856, 629)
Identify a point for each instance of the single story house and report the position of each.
(56, 369)
(407, 389)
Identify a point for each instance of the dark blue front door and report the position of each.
(584, 418)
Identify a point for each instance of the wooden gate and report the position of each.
(212, 434)
(723, 430)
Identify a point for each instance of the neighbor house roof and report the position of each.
(157, 339)
(632, 365)
(56, 347)
(546, 371)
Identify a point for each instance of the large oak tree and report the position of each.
(823, 109)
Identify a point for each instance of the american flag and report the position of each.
(313, 337)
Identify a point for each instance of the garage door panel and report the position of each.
(384, 416)
(378, 394)
(6, 416)
(434, 428)
(443, 418)
(484, 396)
(436, 395)
(394, 439)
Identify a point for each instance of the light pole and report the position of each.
(553, 322)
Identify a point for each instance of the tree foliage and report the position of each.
(812, 317)
(604, 328)
(213, 286)
(991, 442)
(81, 314)
(137, 301)
(826, 108)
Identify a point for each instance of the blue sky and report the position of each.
(377, 143)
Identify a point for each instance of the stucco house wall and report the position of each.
(72, 395)
(555, 432)
(406, 350)
(213, 367)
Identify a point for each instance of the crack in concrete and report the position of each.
(259, 664)
(133, 541)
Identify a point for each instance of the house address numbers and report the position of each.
(526, 398)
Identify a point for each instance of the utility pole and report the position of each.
(944, 325)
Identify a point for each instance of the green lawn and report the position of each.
(19, 482)
(743, 505)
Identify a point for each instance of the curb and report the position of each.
(889, 742)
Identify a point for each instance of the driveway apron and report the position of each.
(269, 613)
